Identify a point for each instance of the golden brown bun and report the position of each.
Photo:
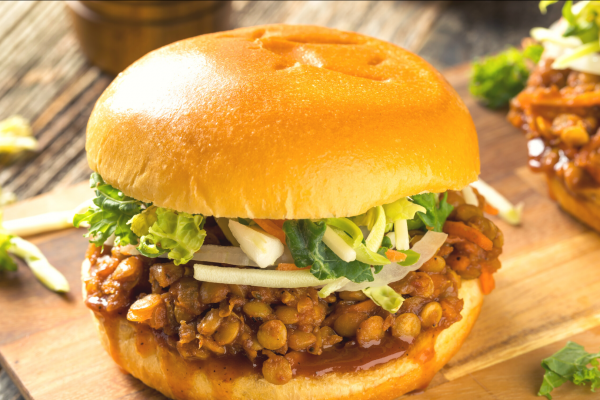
(281, 121)
(584, 209)
(387, 381)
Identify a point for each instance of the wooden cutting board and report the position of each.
(547, 293)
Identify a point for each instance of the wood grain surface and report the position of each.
(546, 294)
(44, 76)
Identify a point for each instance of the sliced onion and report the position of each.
(426, 247)
(219, 254)
(257, 277)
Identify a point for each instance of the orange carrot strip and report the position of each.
(395, 256)
(490, 209)
(271, 228)
(278, 222)
(487, 281)
(469, 233)
(289, 267)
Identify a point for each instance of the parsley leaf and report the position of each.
(110, 216)
(436, 213)
(570, 364)
(305, 241)
(497, 79)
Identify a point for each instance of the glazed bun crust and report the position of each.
(168, 373)
(280, 122)
(584, 209)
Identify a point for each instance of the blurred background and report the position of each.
(56, 58)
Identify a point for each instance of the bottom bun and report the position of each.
(166, 371)
(584, 208)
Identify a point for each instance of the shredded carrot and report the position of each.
(471, 234)
(278, 222)
(487, 281)
(271, 228)
(490, 209)
(395, 256)
(289, 267)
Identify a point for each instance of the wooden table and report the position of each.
(45, 78)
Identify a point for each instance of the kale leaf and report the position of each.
(305, 241)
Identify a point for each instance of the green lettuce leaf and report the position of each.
(110, 216)
(179, 234)
(401, 209)
(570, 364)
(141, 223)
(305, 241)
(436, 213)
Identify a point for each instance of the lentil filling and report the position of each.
(288, 332)
(559, 112)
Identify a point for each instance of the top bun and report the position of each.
(281, 122)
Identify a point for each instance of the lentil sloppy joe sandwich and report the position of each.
(284, 212)
(559, 110)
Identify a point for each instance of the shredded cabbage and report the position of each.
(402, 209)
(347, 226)
(426, 247)
(44, 222)
(261, 247)
(470, 196)
(257, 277)
(506, 211)
(375, 237)
(41, 268)
(16, 135)
(334, 286)
(401, 236)
(337, 244)
(578, 33)
(385, 297)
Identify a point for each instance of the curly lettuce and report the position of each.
(154, 230)
(570, 364)
(180, 235)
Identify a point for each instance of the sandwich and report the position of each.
(284, 212)
(558, 110)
